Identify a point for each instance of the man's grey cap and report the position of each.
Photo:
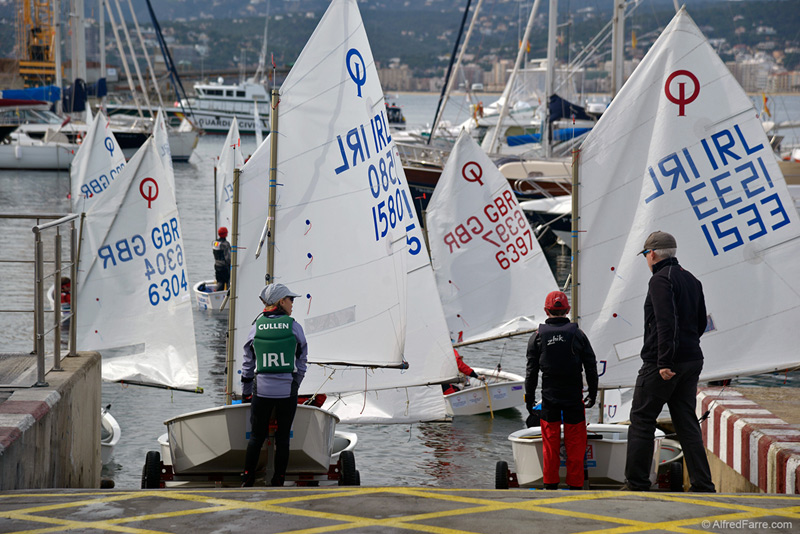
(272, 293)
(659, 240)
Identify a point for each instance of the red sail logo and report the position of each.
(152, 191)
(682, 100)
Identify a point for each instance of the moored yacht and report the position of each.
(215, 104)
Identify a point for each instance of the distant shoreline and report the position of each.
(387, 93)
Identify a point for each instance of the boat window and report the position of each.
(240, 93)
(215, 92)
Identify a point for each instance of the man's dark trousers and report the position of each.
(680, 395)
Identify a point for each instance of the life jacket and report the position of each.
(557, 358)
(219, 251)
(274, 344)
(65, 294)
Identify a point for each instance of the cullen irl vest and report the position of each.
(274, 344)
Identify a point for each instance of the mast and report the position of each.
(450, 67)
(101, 22)
(451, 81)
(617, 47)
(57, 49)
(180, 92)
(133, 58)
(261, 70)
(123, 58)
(229, 356)
(549, 86)
(574, 281)
(512, 78)
(146, 57)
(273, 184)
(78, 41)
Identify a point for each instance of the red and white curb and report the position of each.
(760, 446)
(21, 410)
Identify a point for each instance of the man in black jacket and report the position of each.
(674, 320)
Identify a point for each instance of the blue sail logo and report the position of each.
(356, 68)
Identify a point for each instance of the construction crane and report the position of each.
(36, 42)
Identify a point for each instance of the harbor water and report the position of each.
(458, 454)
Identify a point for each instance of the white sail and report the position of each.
(680, 149)
(133, 291)
(492, 275)
(161, 138)
(257, 121)
(230, 158)
(97, 164)
(395, 406)
(343, 206)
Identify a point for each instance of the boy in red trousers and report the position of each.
(560, 349)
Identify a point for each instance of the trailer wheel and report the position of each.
(151, 473)
(358, 477)
(501, 475)
(348, 476)
(676, 476)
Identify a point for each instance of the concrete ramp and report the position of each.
(18, 370)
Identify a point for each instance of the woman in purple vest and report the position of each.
(276, 355)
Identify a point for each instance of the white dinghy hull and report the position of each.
(214, 441)
(110, 432)
(505, 390)
(605, 457)
(342, 441)
(208, 300)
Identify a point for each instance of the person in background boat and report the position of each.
(271, 383)
(560, 349)
(66, 297)
(674, 320)
(222, 259)
(463, 368)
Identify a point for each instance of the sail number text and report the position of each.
(163, 265)
(727, 184)
(500, 223)
(370, 145)
(101, 183)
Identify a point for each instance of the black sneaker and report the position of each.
(576, 488)
(248, 479)
(551, 486)
(704, 490)
(627, 487)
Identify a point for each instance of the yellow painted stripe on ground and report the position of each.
(215, 501)
(63, 525)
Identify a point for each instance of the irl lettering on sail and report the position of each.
(354, 145)
(726, 181)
